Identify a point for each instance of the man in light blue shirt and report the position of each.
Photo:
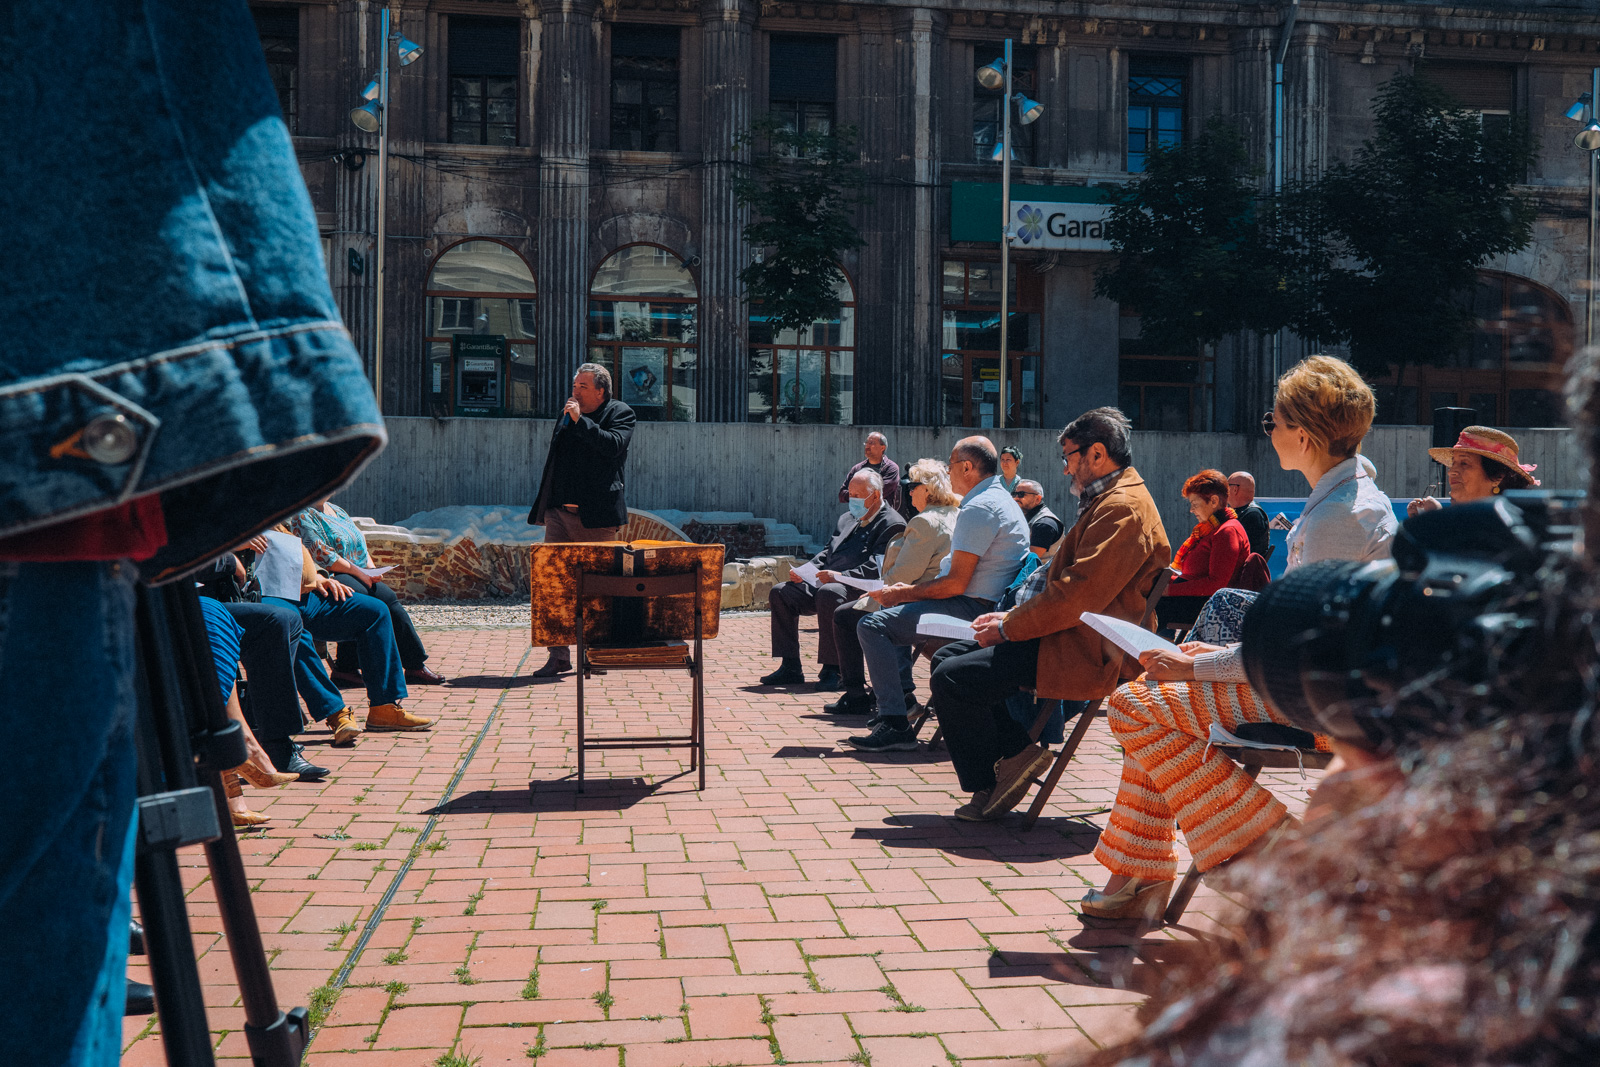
(987, 548)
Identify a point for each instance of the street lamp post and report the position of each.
(373, 117)
(996, 75)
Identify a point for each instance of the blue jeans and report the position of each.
(887, 636)
(66, 842)
(359, 618)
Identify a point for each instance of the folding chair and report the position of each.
(1069, 748)
(1252, 760)
(601, 658)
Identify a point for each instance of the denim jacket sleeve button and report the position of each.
(110, 439)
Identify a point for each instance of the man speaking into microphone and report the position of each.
(580, 494)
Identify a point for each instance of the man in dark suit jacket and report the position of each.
(855, 551)
(580, 494)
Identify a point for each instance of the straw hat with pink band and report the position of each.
(1492, 444)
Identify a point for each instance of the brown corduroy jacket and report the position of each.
(1107, 563)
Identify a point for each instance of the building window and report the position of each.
(1156, 95)
(642, 311)
(970, 377)
(483, 80)
(805, 375)
(644, 88)
(1487, 90)
(801, 79)
(1510, 369)
(1158, 391)
(279, 29)
(986, 104)
(480, 288)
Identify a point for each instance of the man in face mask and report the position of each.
(855, 552)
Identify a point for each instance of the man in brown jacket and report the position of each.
(1107, 563)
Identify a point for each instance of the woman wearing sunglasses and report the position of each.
(1170, 777)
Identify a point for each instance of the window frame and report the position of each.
(482, 125)
(1026, 299)
(608, 352)
(830, 356)
(528, 344)
(1151, 101)
(288, 95)
(644, 107)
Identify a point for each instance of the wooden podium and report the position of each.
(643, 605)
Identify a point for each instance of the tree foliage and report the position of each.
(1390, 242)
(1194, 254)
(802, 190)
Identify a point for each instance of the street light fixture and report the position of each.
(1588, 139)
(373, 117)
(998, 75)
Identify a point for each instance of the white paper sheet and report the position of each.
(1219, 735)
(278, 569)
(375, 572)
(1129, 637)
(866, 585)
(806, 572)
(947, 626)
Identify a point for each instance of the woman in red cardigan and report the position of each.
(1211, 556)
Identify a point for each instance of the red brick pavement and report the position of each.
(813, 905)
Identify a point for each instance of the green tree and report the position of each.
(802, 189)
(1386, 247)
(1195, 254)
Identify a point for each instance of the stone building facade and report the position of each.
(561, 188)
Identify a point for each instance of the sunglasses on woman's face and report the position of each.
(1268, 423)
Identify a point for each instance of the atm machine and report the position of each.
(471, 380)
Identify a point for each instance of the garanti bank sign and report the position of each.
(1055, 218)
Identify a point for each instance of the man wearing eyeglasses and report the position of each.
(1044, 527)
(1108, 564)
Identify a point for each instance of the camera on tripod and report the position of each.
(1388, 651)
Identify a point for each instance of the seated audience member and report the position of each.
(911, 560)
(1483, 462)
(857, 548)
(224, 637)
(1440, 898)
(1044, 526)
(338, 546)
(1242, 499)
(987, 547)
(1210, 557)
(1010, 461)
(1323, 411)
(268, 647)
(875, 447)
(1108, 563)
(332, 612)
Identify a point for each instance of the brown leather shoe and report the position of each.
(423, 676)
(388, 718)
(1012, 776)
(344, 726)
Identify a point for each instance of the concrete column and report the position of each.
(727, 57)
(565, 67)
(913, 358)
(1305, 94)
(355, 191)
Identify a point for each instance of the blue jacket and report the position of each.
(169, 326)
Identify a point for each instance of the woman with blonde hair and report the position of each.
(1170, 777)
(912, 558)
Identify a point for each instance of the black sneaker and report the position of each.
(857, 703)
(828, 681)
(788, 674)
(886, 738)
(298, 764)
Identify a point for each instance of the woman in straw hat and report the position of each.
(1482, 462)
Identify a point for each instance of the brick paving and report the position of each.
(813, 905)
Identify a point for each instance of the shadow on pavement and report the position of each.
(1002, 842)
(495, 681)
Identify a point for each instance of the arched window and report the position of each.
(805, 375)
(642, 309)
(482, 290)
(1510, 368)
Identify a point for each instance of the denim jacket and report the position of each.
(169, 325)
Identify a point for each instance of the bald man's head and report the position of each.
(971, 461)
(1241, 489)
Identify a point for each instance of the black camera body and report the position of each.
(1384, 652)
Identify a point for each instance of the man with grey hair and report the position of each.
(580, 494)
(856, 550)
(875, 449)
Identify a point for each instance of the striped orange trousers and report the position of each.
(1169, 781)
